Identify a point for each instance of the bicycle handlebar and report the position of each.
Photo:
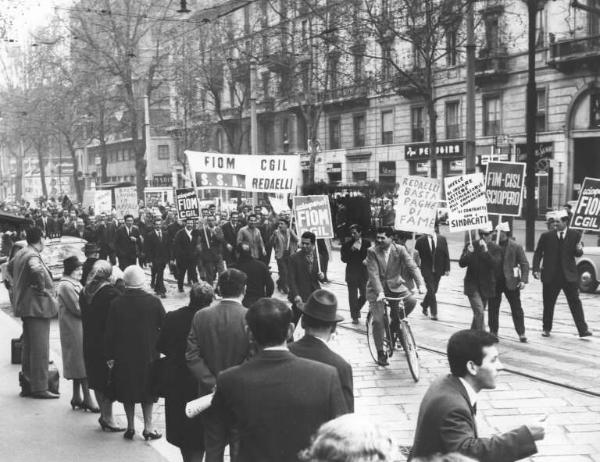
(397, 299)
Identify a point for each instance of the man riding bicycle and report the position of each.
(386, 263)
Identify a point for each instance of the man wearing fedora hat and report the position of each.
(319, 321)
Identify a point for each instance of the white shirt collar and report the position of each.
(564, 233)
(276, 348)
(471, 393)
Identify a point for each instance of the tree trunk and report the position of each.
(42, 172)
(76, 182)
(19, 176)
(138, 148)
(432, 136)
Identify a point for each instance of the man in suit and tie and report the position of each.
(319, 321)
(446, 421)
(210, 244)
(156, 249)
(304, 274)
(218, 340)
(276, 401)
(127, 243)
(435, 263)
(109, 251)
(184, 252)
(386, 262)
(48, 226)
(557, 249)
(230, 231)
(512, 274)
(353, 254)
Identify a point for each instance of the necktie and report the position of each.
(432, 255)
(561, 237)
(160, 236)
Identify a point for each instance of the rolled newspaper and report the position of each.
(197, 406)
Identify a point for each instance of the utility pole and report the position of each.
(532, 8)
(147, 136)
(253, 120)
(470, 70)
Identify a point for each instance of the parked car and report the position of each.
(588, 267)
(54, 253)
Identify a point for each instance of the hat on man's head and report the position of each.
(322, 305)
(70, 264)
(134, 277)
(90, 248)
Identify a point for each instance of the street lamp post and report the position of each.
(533, 6)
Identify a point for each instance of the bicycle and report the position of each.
(403, 337)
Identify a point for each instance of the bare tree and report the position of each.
(124, 39)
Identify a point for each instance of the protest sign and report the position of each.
(89, 199)
(313, 214)
(467, 204)
(126, 201)
(504, 183)
(416, 209)
(187, 203)
(244, 172)
(155, 196)
(587, 211)
(103, 201)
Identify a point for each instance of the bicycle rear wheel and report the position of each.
(410, 348)
(388, 345)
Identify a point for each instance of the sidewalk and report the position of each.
(48, 430)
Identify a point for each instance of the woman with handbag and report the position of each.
(132, 330)
(71, 334)
(178, 382)
(95, 302)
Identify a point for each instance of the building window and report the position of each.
(266, 83)
(304, 76)
(285, 134)
(417, 58)
(334, 134)
(417, 124)
(163, 151)
(334, 172)
(491, 116)
(360, 129)
(540, 28)
(386, 61)
(540, 113)
(452, 120)
(387, 127)
(332, 64)
(359, 177)
(492, 37)
(232, 94)
(359, 67)
(304, 32)
(451, 51)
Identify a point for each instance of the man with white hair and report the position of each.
(558, 249)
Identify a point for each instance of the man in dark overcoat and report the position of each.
(354, 253)
(157, 252)
(184, 252)
(127, 243)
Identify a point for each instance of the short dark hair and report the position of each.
(356, 228)
(269, 320)
(284, 220)
(129, 215)
(467, 345)
(70, 264)
(33, 235)
(309, 235)
(385, 230)
(232, 283)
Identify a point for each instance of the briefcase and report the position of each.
(16, 346)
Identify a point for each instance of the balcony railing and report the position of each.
(344, 93)
(569, 55)
(491, 67)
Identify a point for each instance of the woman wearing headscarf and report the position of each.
(95, 302)
(71, 334)
(182, 432)
(132, 330)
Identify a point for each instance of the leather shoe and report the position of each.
(522, 339)
(434, 317)
(424, 309)
(382, 359)
(354, 320)
(44, 395)
(587, 333)
(545, 333)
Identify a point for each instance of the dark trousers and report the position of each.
(157, 275)
(516, 310)
(36, 352)
(214, 444)
(356, 297)
(432, 282)
(109, 255)
(211, 267)
(478, 303)
(282, 267)
(571, 290)
(125, 261)
(186, 266)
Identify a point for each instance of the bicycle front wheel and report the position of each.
(410, 348)
(387, 343)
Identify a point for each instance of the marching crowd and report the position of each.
(272, 400)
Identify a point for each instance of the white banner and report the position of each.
(245, 172)
(418, 200)
(467, 202)
(126, 201)
(103, 201)
(279, 204)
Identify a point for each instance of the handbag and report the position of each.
(16, 348)
(53, 380)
